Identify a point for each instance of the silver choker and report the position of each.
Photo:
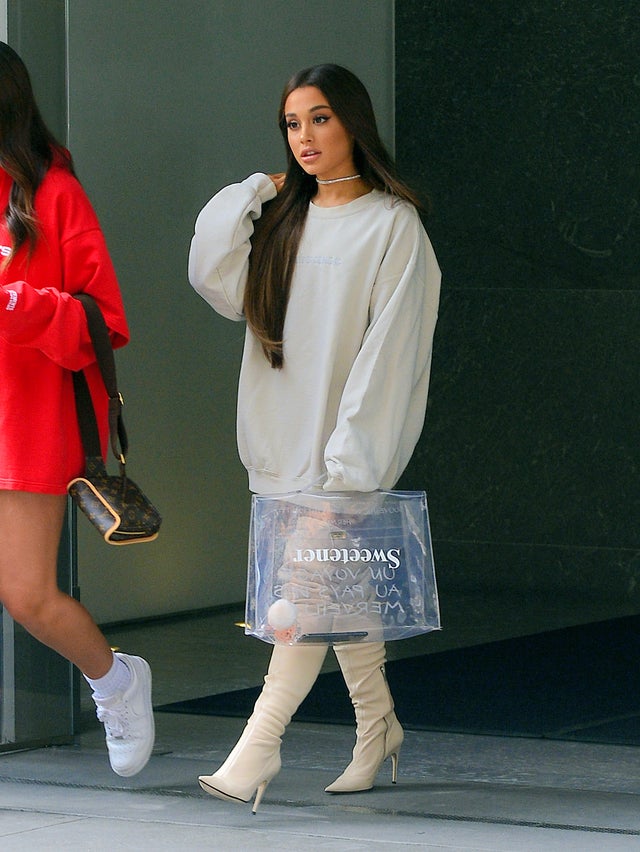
(337, 180)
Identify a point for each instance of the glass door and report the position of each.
(37, 686)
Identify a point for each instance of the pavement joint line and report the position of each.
(396, 812)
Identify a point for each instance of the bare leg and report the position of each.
(30, 528)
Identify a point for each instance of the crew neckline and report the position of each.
(344, 209)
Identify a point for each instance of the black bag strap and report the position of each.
(99, 334)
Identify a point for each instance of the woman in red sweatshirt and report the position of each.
(51, 247)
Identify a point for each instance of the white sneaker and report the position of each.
(128, 720)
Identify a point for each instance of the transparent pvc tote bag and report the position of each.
(336, 567)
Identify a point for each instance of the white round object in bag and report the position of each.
(281, 614)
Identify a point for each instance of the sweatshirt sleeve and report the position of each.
(51, 320)
(220, 247)
(383, 404)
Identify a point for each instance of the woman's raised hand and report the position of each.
(278, 180)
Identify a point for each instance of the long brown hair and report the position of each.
(27, 148)
(279, 229)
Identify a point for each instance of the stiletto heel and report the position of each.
(394, 767)
(259, 795)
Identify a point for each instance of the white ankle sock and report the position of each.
(117, 679)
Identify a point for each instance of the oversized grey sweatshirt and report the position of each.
(347, 408)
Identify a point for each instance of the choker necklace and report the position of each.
(336, 180)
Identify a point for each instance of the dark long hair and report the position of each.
(27, 148)
(279, 230)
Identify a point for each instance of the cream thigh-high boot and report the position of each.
(379, 735)
(255, 759)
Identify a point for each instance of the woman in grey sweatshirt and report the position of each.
(331, 269)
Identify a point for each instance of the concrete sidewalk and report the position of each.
(454, 792)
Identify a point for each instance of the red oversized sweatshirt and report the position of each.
(44, 335)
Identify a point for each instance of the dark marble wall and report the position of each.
(522, 123)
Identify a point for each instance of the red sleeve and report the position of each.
(42, 312)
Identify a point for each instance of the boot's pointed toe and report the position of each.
(210, 784)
